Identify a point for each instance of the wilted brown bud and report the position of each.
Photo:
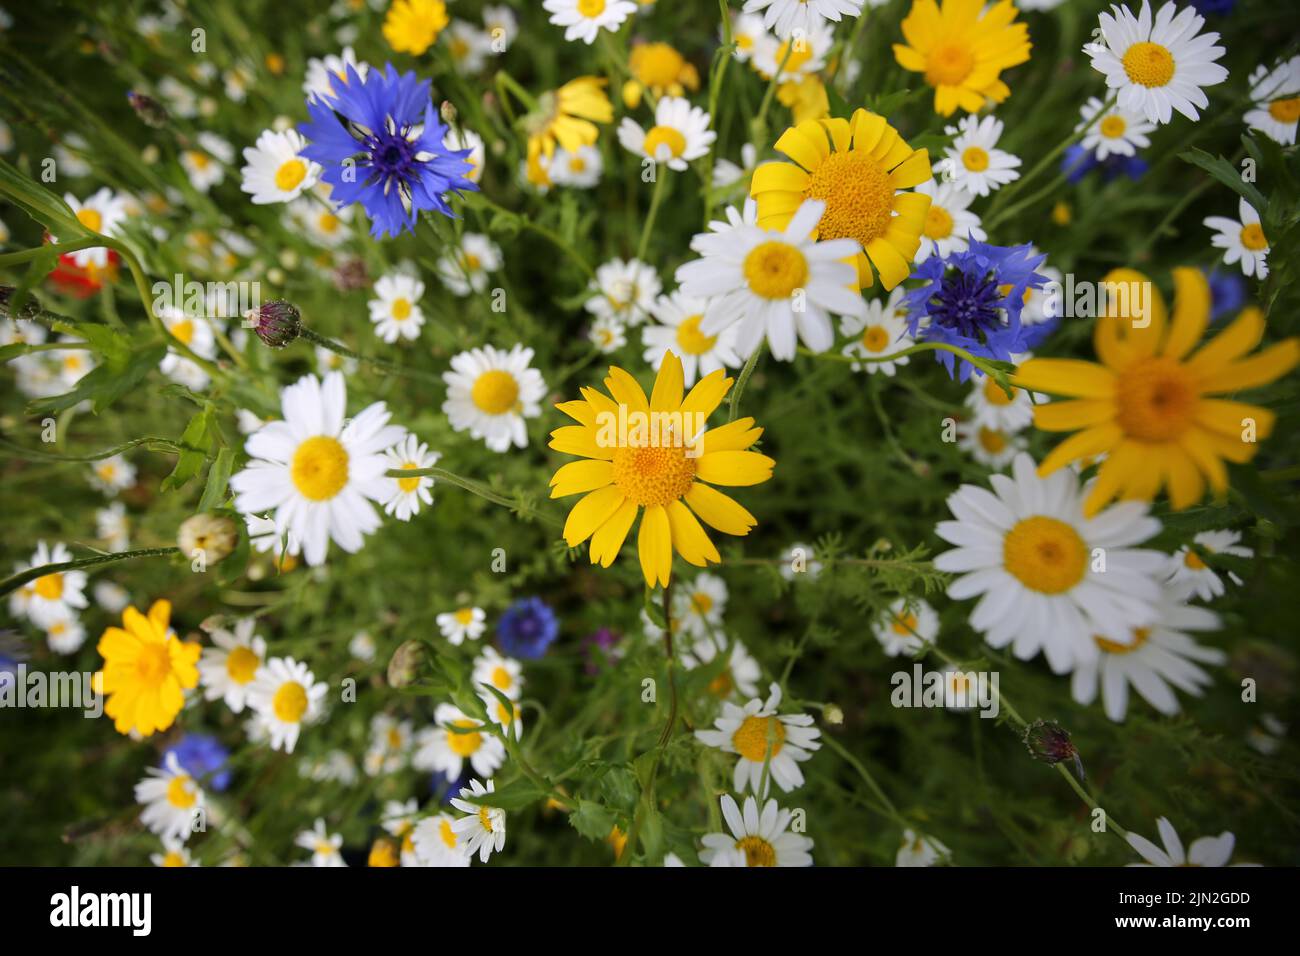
(404, 666)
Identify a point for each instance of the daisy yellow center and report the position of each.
(664, 136)
(691, 339)
(183, 330)
(1157, 399)
(858, 194)
(722, 685)
(577, 164)
(657, 65)
(200, 160)
(994, 395)
(992, 441)
(153, 664)
(91, 219)
(949, 64)
(751, 738)
(485, 819)
(1193, 561)
(241, 665)
(775, 269)
(470, 262)
(1113, 127)
(701, 603)
(591, 8)
(394, 738)
(1285, 111)
(401, 309)
(938, 223)
(408, 485)
(875, 338)
(464, 745)
(447, 833)
(465, 616)
(290, 175)
(975, 158)
(49, 586)
(328, 222)
(1140, 637)
(904, 624)
(290, 702)
(793, 58)
(758, 852)
(657, 475)
(958, 683)
(1045, 555)
(1149, 64)
(173, 859)
(459, 49)
(1252, 237)
(324, 848)
(319, 468)
(179, 793)
(501, 678)
(495, 392)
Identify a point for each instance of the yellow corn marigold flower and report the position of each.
(1149, 404)
(655, 454)
(806, 99)
(146, 667)
(962, 48)
(568, 116)
(412, 26)
(858, 167)
(659, 68)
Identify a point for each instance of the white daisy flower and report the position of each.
(56, 596)
(323, 845)
(465, 622)
(173, 802)
(264, 537)
(195, 333)
(396, 312)
(113, 474)
(725, 172)
(993, 448)
(436, 842)
(774, 284)
(179, 98)
(334, 767)
(1042, 305)
(1242, 241)
(328, 361)
(462, 138)
(738, 678)
(501, 25)
(446, 750)
(1207, 851)
(227, 669)
(764, 838)
(990, 406)
(906, 627)
(1276, 96)
(1159, 65)
(21, 332)
(1112, 131)
(175, 853)
(405, 495)
(362, 646)
(700, 606)
(608, 334)
(484, 829)
(391, 744)
(580, 169)
(111, 597)
(880, 330)
(624, 290)
(949, 223)
(917, 849)
(676, 328)
(73, 366)
(490, 392)
(802, 55)
(113, 527)
(1188, 570)
(330, 73)
(65, 635)
(205, 164)
(583, 19)
(765, 741)
(1159, 658)
(785, 17)
(496, 670)
(285, 695)
(275, 172)
(748, 33)
(468, 47)
(973, 162)
(467, 269)
(103, 212)
(317, 474)
(323, 224)
(680, 134)
(1050, 579)
(797, 561)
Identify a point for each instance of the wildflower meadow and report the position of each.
(649, 433)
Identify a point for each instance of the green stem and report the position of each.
(661, 176)
(961, 353)
(15, 581)
(339, 348)
(154, 444)
(734, 408)
(474, 487)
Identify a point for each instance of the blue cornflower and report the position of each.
(527, 628)
(1227, 293)
(1214, 7)
(1079, 161)
(972, 300)
(204, 759)
(365, 139)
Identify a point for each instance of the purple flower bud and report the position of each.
(151, 112)
(1049, 742)
(276, 323)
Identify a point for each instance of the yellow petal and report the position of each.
(160, 615)
(579, 440)
(733, 436)
(579, 476)
(1191, 311)
(707, 394)
(912, 171)
(719, 511)
(889, 262)
(667, 393)
(1071, 415)
(626, 390)
(778, 177)
(734, 468)
(1268, 366)
(1084, 444)
(655, 546)
(580, 412)
(1115, 474)
(1233, 418)
(590, 513)
(1232, 343)
(806, 144)
(690, 540)
(608, 539)
(1186, 486)
(1065, 377)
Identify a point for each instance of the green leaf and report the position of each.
(195, 442)
(42, 205)
(513, 796)
(214, 492)
(104, 385)
(592, 820)
(1228, 174)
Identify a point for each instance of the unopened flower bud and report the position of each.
(832, 714)
(1049, 742)
(276, 323)
(214, 535)
(404, 665)
(448, 112)
(151, 112)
